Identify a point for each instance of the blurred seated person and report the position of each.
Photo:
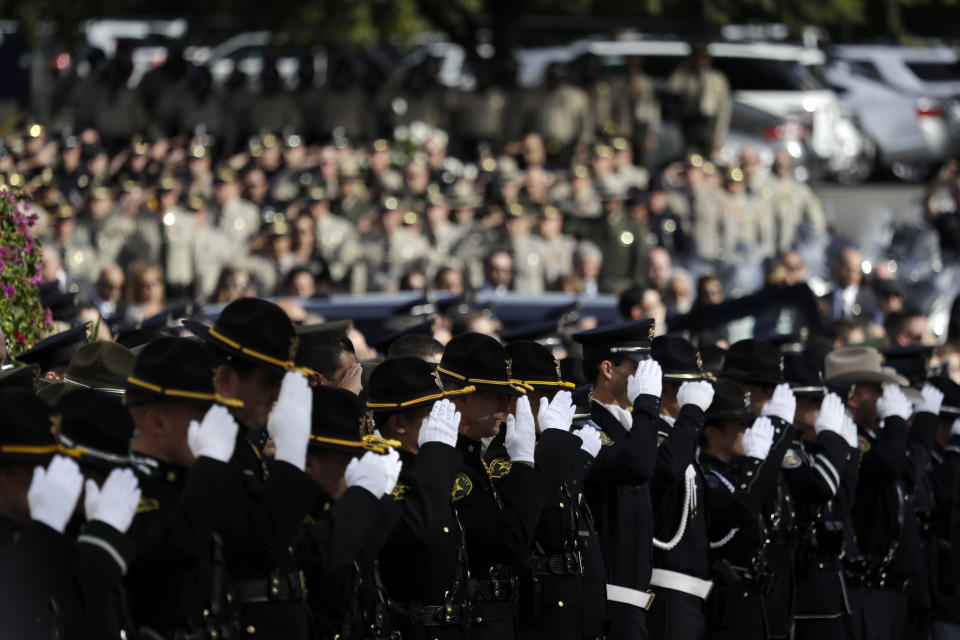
(145, 293)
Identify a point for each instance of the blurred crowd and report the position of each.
(179, 192)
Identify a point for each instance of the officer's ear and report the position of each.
(397, 424)
(606, 369)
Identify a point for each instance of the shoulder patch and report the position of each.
(791, 460)
(147, 504)
(500, 467)
(399, 491)
(462, 486)
(605, 440)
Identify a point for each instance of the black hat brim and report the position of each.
(738, 416)
(748, 377)
(202, 331)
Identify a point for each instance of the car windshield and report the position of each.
(936, 71)
(764, 74)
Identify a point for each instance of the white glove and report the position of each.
(216, 436)
(289, 422)
(830, 417)
(758, 439)
(849, 431)
(955, 428)
(590, 440)
(556, 413)
(521, 432)
(393, 465)
(894, 402)
(647, 379)
(698, 393)
(54, 492)
(370, 472)
(932, 399)
(442, 425)
(783, 404)
(116, 502)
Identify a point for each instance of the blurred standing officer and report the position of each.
(237, 217)
(255, 342)
(644, 112)
(625, 404)
(681, 577)
(565, 592)
(342, 535)
(795, 205)
(561, 114)
(336, 240)
(185, 437)
(609, 99)
(704, 102)
(528, 250)
(344, 108)
(424, 562)
(481, 113)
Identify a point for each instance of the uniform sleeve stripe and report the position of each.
(106, 546)
(826, 477)
(825, 462)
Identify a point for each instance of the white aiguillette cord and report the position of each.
(689, 504)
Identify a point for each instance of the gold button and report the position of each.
(560, 604)
(251, 629)
(479, 620)
(561, 505)
(446, 529)
(171, 476)
(213, 634)
(206, 613)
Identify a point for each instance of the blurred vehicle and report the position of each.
(246, 53)
(771, 77)
(930, 71)
(913, 132)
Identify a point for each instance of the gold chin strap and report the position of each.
(368, 442)
(286, 365)
(516, 385)
(435, 396)
(531, 384)
(190, 395)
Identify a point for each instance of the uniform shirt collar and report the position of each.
(623, 416)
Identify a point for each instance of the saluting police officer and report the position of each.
(681, 574)
(564, 592)
(500, 502)
(341, 536)
(423, 562)
(185, 437)
(624, 408)
(256, 342)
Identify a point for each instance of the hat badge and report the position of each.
(55, 421)
(436, 378)
(746, 400)
(509, 362)
(653, 328)
(557, 367)
(699, 362)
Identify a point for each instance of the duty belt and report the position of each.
(279, 587)
(453, 615)
(495, 589)
(561, 564)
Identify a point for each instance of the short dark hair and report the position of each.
(241, 365)
(591, 368)
(631, 297)
(416, 345)
(896, 321)
(323, 353)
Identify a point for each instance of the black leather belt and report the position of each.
(278, 587)
(561, 564)
(495, 589)
(454, 615)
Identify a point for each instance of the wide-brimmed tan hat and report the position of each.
(858, 364)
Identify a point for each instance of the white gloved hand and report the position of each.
(54, 492)
(289, 422)
(830, 417)
(849, 431)
(556, 413)
(590, 440)
(955, 428)
(783, 404)
(215, 436)
(698, 393)
(894, 402)
(442, 425)
(758, 439)
(392, 465)
(521, 432)
(116, 502)
(932, 399)
(646, 380)
(369, 472)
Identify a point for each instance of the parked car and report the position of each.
(246, 53)
(913, 132)
(929, 71)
